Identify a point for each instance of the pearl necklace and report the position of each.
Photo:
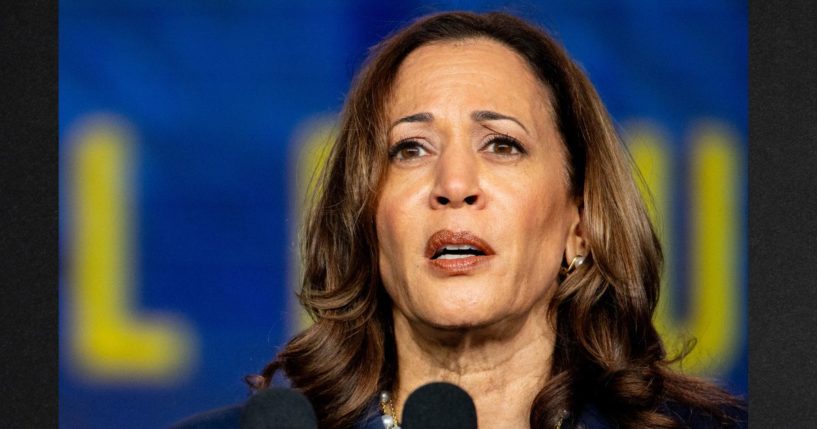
(388, 409)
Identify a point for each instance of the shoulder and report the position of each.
(371, 418)
(221, 418)
(228, 416)
(592, 417)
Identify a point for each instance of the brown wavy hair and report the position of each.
(607, 350)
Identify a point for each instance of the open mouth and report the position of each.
(445, 245)
(454, 251)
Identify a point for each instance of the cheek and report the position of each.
(397, 224)
(388, 231)
(394, 225)
(400, 213)
(544, 222)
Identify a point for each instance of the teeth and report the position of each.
(457, 251)
(453, 256)
(459, 247)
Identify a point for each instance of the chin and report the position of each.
(457, 325)
(459, 304)
(459, 318)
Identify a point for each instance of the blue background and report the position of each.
(217, 91)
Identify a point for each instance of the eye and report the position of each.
(504, 146)
(407, 150)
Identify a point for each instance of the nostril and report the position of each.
(442, 200)
(470, 200)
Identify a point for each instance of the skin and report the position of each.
(487, 329)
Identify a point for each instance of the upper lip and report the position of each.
(444, 237)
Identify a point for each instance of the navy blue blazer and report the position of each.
(591, 418)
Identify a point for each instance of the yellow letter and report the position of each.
(715, 298)
(108, 341)
(312, 144)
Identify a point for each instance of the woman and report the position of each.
(479, 224)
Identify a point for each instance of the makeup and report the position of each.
(457, 253)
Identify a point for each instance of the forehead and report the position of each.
(474, 74)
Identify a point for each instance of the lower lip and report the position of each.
(459, 265)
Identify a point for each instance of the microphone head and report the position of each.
(278, 408)
(439, 405)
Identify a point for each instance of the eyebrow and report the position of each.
(417, 117)
(478, 116)
(487, 115)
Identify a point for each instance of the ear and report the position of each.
(576, 242)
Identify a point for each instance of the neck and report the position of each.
(502, 366)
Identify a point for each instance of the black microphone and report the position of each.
(278, 408)
(439, 406)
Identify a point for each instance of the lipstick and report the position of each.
(458, 252)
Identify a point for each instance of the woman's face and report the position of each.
(475, 216)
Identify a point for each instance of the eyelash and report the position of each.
(394, 151)
(507, 140)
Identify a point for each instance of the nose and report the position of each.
(456, 182)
